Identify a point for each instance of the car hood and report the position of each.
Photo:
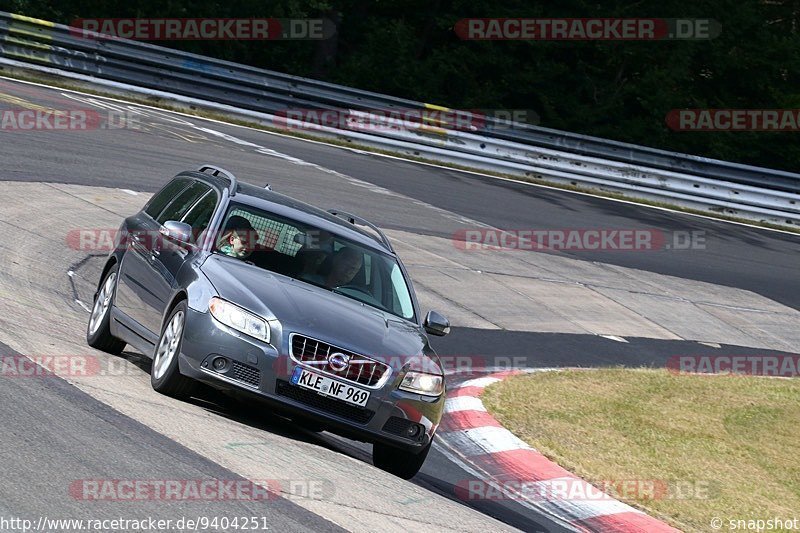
(314, 311)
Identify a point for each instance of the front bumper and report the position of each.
(262, 371)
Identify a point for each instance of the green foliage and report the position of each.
(617, 90)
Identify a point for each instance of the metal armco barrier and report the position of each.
(361, 117)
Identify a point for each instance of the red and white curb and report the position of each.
(511, 469)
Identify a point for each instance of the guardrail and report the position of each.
(510, 148)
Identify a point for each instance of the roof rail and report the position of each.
(216, 172)
(353, 219)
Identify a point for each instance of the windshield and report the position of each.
(315, 256)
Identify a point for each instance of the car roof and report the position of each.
(289, 207)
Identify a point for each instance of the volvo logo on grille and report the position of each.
(338, 361)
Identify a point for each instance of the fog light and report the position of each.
(413, 430)
(219, 364)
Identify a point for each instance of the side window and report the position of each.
(401, 298)
(200, 215)
(183, 202)
(160, 200)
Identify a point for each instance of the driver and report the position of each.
(345, 265)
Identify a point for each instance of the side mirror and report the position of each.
(177, 231)
(436, 324)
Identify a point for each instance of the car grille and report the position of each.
(335, 407)
(362, 370)
(246, 374)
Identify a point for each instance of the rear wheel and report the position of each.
(98, 332)
(401, 463)
(165, 376)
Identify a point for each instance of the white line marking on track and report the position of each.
(710, 344)
(614, 338)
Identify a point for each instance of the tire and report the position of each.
(98, 331)
(401, 463)
(165, 376)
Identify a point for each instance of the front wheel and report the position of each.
(401, 463)
(98, 332)
(165, 376)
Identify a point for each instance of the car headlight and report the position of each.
(423, 383)
(237, 318)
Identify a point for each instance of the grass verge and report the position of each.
(713, 446)
(34, 77)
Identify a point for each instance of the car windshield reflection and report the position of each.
(315, 256)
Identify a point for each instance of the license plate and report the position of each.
(329, 387)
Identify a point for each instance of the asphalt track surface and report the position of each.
(57, 434)
(80, 427)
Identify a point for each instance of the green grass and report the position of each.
(731, 443)
(534, 179)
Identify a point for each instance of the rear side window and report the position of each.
(183, 202)
(165, 196)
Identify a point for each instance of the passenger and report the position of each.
(239, 238)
